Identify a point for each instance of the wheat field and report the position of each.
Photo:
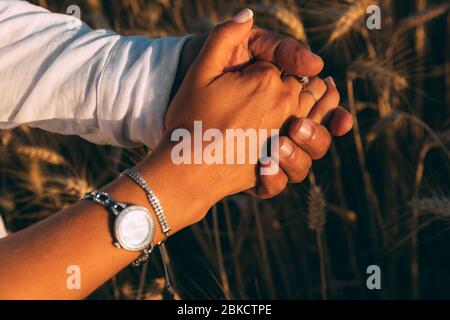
(380, 197)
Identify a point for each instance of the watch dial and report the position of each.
(134, 228)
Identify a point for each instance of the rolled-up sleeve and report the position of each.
(106, 88)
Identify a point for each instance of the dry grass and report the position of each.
(316, 222)
(351, 18)
(41, 154)
(380, 197)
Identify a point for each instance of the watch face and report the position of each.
(134, 228)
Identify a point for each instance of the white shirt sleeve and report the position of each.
(106, 88)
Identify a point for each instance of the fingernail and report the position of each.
(306, 130)
(268, 167)
(265, 162)
(330, 80)
(286, 149)
(243, 16)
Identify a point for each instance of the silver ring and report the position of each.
(301, 79)
(311, 93)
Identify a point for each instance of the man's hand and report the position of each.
(306, 139)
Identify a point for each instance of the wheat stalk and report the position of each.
(316, 222)
(220, 259)
(6, 137)
(437, 205)
(371, 196)
(35, 177)
(63, 185)
(379, 72)
(349, 20)
(316, 209)
(420, 18)
(41, 154)
(261, 236)
(420, 44)
(396, 117)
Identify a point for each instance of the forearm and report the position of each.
(33, 262)
(70, 79)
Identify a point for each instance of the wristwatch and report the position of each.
(133, 227)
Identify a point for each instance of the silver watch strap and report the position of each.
(116, 207)
(105, 200)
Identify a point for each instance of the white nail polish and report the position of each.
(269, 167)
(243, 16)
(331, 81)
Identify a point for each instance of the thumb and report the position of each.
(222, 41)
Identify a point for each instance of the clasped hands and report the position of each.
(241, 78)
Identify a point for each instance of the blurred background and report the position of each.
(380, 197)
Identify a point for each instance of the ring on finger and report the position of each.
(311, 94)
(304, 80)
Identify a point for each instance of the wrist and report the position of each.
(186, 192)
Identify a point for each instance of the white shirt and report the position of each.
(106, 88)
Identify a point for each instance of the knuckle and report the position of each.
(287, 104)
(291, 93)
(268, 75)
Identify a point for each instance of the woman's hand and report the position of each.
(283, 51)
(254, 97)
(293, 57)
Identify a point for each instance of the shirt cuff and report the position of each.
(134, 90)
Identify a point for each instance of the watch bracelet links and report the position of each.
(103, 199)
(108, 202)
(153, 199)
(143, 257)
